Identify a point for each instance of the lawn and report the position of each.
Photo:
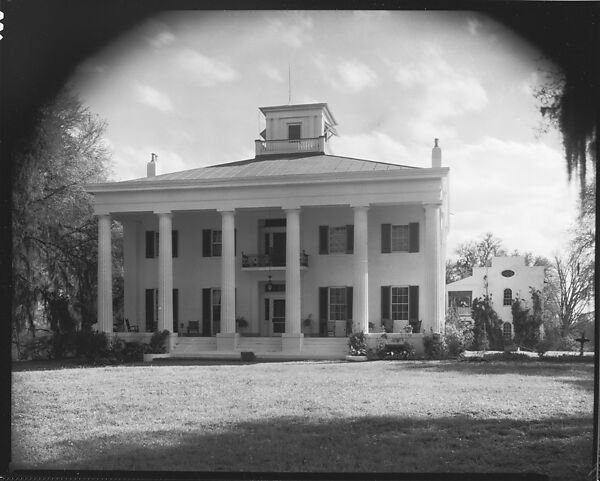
(412, 416)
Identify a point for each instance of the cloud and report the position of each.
(447, 92)
(207, 70)
(130, 161)
(515, 190)
(162, 39)
(473, 26)
(151, 97)
(372, 146)
(293, 31)
(271, 72)
(347, 75)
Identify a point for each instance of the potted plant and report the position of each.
(416, 326)
(307, 325)
(241, 323)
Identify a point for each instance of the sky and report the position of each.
(187, 86)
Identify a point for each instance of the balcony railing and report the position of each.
(265, 147)
(265, 260)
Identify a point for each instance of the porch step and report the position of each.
(259, 344)
(191, 345)
(329, 345)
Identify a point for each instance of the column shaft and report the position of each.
(360, 303)
(228, 272)
(105, 310)
(165, 273)
(292, 272)
(433, 286)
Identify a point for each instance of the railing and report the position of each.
(265, 260)
(265, 147)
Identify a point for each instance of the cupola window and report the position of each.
(294, 132)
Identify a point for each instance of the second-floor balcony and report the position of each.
(290, 146)
(266, 261)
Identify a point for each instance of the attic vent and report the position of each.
(508, 273)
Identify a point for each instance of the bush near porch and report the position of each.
(414, 416)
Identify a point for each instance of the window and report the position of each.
(336, 239)
(216, 305)
(212, 243)
(294, 131)
(337, 303)
(400, 303)
(507, 331)
(400, 238)
(152, 244)
(216, 244)
(507, 300)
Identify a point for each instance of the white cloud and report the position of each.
(372, 146)
(347, 75)
(473, 26)
(512, 189)
(151, 97)
(271, 72)
(208, 71)
(294, 31)
(162, 39)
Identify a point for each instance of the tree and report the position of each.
(472, 254)
(527, 321)
(487, 326)
(53, 227)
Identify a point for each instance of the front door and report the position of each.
(277, 250)
(278, 317)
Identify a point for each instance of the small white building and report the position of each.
(295, 240)
(504, 280)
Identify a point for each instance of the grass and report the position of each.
(307, 416)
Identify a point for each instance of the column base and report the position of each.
(227, 341)
(292, 342)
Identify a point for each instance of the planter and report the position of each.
(356, 358)
(150, 357)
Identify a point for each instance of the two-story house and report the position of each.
(295, 240)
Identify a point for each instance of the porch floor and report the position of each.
(313, 348)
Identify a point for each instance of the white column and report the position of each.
(105, 310)
(228, 272)
(130, 268)
(433, 294)
(165, 272)
(292, 272)
(360, 302)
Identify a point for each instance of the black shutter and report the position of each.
(350, 239)
(323, 239)
(349, 292)
(174, 244)
(206, 309)
(149, 244)
(323, 314)
(413, 237)
(235, 242)
(149, 310)
(413, 303)
(386, 292)
(175, 309)
(386, 238)
(206, 242)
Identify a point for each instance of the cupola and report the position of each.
(291, 129)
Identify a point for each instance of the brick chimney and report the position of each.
(151, 166)
(436, 155)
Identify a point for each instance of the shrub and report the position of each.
(121, 351)
(434, 346)
(247, 356)
(158, 343)
(403, 352)
(543, 346)
(526, 323)
(357, 344)
(487, 329)
(457, 338)
(91, 346)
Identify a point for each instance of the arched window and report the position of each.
(507, 297)
(507, 331)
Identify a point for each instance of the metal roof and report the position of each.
(264, 167)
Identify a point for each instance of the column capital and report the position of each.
(360, 206)
(163, 213)
(226, 211)
(290, 206)
(102, 214)
(291, 210)
(431, 205)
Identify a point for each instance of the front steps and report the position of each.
(267, 348)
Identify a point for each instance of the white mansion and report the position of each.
(295, 240)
